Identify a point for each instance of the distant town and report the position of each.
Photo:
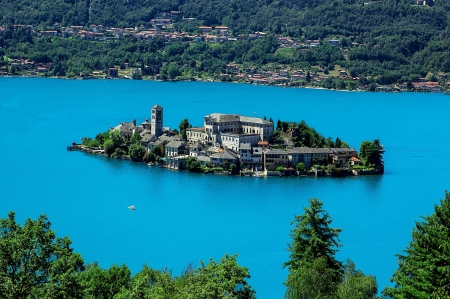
(163, 28)
(228, 143)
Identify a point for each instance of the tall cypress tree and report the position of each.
(424, 271)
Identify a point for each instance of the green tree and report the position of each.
(135, 138)
(118, 153)
(371, 153)
(109, 147)
(149, 284)
(308, 77)
(313, 238)
(137, 152)
(103, 284)
(313, 281)
(34, 263)
(149, 157)
(355, 284)
(300, 166)
(117, 138)
(183, 126)
(193, 165)
(157, 151)
(424, 270)
(222, 280)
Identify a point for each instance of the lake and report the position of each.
(182, 218)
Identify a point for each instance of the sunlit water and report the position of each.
(182, 218)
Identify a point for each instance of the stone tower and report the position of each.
(157, 120)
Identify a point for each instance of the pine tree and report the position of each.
(313, 238)
(424, 271)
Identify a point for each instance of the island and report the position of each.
(235, 144)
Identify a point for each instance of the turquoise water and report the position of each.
(182, 218)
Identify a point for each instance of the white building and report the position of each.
(231, 130)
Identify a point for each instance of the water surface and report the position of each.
(182, 218)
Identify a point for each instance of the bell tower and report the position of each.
(157, 120)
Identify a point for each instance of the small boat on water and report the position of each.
(132, 208)
(151, 164)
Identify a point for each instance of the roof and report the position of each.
(320, 150)
(203, 158)
(146, 122)
(221, 117)
(125, 127)
(300, 150)
(343, 150)
(225, 155)
(156, 106)
(200, 129)
(245, 146)
(176, 144)
(147, 138)
(276, 152)
(354, 159)
(196, 144)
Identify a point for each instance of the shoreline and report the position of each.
(261, 174)
(226, 82)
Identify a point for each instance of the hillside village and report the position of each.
(162, 28)
(231, 139)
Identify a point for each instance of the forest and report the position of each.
(35, 263)
(382, 42)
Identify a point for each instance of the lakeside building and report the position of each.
(227, 139)
(231, 130)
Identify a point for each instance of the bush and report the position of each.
(280, 168)
(91, 143)
(118, 153)
(137, 152)
(193, 165)
(300, 166)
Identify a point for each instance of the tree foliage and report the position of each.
(35, 263)
(193, 165)
(99, 283)
(184, 124)
(371, 153)
(424, 270)
(313, 238)
(137, 152)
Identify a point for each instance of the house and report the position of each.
(222, 30)
(232, 68)
(205, 29)
(197, 149)
(321, 156)
(274, 158)
(354, 161)
(126, 128)
(342, 155)
(161, 141)
(245, 151)
(251, 157)
(231, 130)
(333, 42)
(224, 158)
(176, 148)
(177, 162)
(146, 138)
(234, 141)
(113, 72)
(300, 154)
